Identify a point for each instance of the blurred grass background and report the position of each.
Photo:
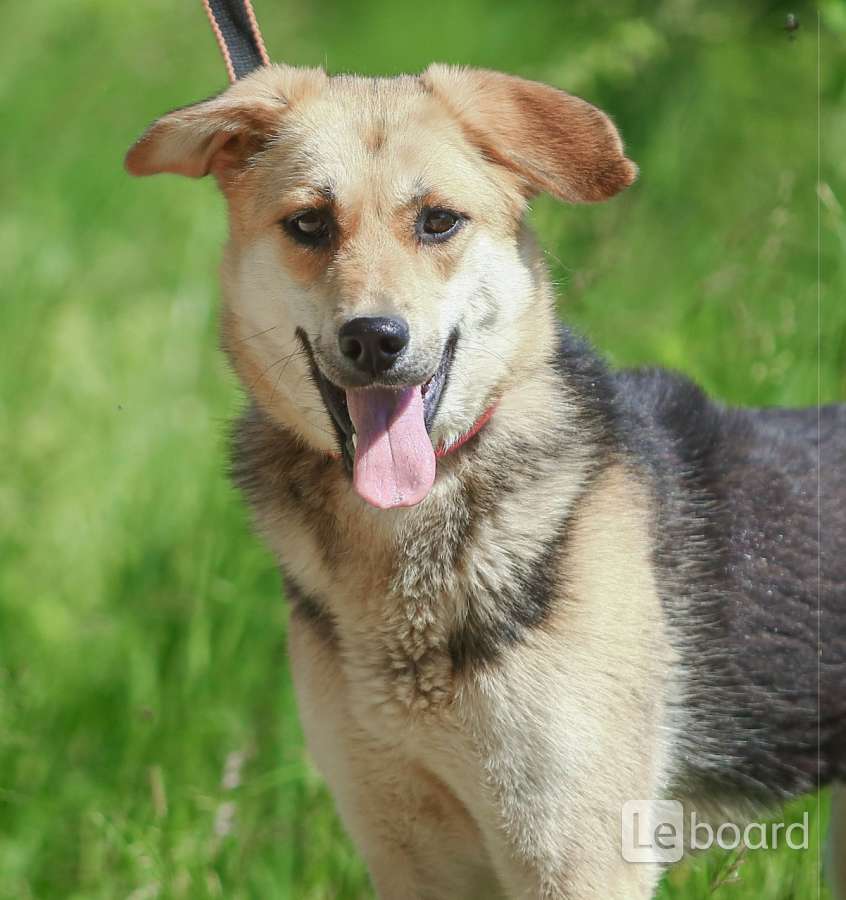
(149, 745)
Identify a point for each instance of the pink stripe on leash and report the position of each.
(221, 42)
(265, 59)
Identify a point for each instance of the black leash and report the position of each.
(238, 36)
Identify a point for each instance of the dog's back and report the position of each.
(753, 511)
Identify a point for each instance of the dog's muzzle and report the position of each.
(383, 432)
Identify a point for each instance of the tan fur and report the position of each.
(417, 838)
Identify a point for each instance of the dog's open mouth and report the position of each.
(383, 432)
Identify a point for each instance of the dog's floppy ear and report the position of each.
(216, 133)
(221, 133)
(553, 141)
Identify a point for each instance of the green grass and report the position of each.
(142, 631)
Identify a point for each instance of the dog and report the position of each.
(525, 589)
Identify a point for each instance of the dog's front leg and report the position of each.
(417, 839)
(570, 721)
(563, 744)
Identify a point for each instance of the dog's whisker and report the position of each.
(282, 359)
(492, 353)
(282, 372)
(251, 337)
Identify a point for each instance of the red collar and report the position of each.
(441, 451)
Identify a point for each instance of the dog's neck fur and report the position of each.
(439, 585)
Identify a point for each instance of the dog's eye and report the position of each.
(438, 225)
(310, 227)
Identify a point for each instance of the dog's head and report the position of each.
(380, 285)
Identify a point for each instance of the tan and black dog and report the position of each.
(525, 589)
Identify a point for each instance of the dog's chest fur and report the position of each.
(409, 600)
(387, 623)
(392, 606)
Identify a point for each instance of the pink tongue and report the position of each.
(394, 457)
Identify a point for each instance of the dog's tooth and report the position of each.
(355, 439)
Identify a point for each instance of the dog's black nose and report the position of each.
(373, 343)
